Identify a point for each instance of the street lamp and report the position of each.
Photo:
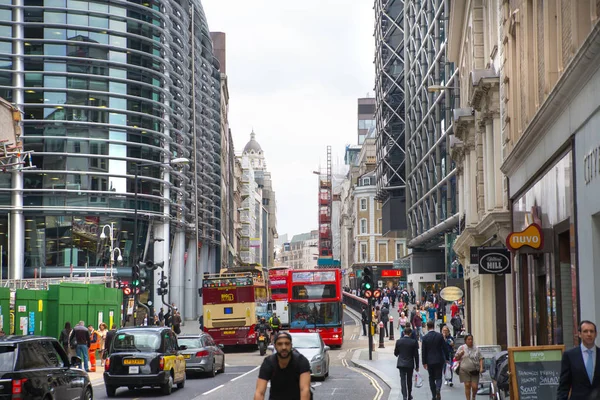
(111, 230)
(173, 162)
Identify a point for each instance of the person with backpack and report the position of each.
(275, 324)
(288, 371)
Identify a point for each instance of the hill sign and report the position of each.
(494, 260)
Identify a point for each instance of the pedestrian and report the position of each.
(161, 315)
(63, 338)
(413, 333)
(385, 318)
(407, 351)
(177, 322)
(431, 311)
(456, 323)
(102, 331)
(434, 357)
(81, 339)
(93, 347)
(580, 367)
(201, 322)
(288, 371)
(471, 366)
(386, 301)
(110, 335)
(168, 318)
(364, 319)
(454, 309)
(402, 321)
(393, 298)
(449, 340)
(417, 323)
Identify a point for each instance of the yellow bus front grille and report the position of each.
(228, 323)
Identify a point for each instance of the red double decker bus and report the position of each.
(278, 284)
(230, 306)
(315, 303)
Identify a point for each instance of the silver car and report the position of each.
(311, 346)
(202, 354)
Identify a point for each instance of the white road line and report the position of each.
(241, 376)
(212, 390)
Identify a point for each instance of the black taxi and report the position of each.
(144, 356)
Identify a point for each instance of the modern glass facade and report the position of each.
(105, 88)
(430, 171)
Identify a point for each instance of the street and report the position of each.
(239, 379)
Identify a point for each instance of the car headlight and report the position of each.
(316, 358)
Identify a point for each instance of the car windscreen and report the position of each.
(306, 341)
(136, 341)
(191, 343)
(7, 358)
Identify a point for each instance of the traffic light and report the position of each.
(163, 290)
(367, 279)
(143, 280)
(135, 281)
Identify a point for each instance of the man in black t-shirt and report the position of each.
(288, 371)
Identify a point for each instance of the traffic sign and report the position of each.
(377, 293)
(368, 294)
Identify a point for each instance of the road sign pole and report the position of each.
(370, 321)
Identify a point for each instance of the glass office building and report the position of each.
(108, 88)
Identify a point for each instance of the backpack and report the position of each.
(275, 321)
(272, 360)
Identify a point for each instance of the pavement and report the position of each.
(383, 364)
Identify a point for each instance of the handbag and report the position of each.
(469, 366)
(418, 380)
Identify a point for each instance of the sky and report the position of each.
(295, 71)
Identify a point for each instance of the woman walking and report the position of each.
(449, 343)
(102, 331)
(471, 366)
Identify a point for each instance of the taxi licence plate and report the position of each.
(134, 370)
(228, 332)
(187, 355)
(134, 361)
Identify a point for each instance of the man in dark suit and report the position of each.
(580, 367)
(407, 351)
(434, 357)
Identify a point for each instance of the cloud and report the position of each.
(296, 69)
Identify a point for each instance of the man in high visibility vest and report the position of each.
(274, 323)
(94, 346)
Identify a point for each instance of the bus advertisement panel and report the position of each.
(315, 303)
(278, 283)
(229, 302)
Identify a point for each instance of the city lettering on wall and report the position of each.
(494, 260)
(531, 236)
(591, 165)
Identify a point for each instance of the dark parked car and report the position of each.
(202, 354)
(144, 356)
(37, 367)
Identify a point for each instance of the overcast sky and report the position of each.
(296, 70)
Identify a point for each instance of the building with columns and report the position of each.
(476, 148)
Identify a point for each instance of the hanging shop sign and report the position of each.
(451, 293)
(494, 260)
(532, 237)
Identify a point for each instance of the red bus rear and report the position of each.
(315, 303)
(278, 282)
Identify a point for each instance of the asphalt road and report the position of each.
(239, 379)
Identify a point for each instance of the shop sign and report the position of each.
(494, 260)
(451, 293)
(531, 237)
(392, 273)
(591, 165)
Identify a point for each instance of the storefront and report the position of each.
(587, 172)
(545, 259)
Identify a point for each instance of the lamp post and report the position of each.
(175, 161)
(111, 230)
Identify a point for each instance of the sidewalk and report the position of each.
(383, 365)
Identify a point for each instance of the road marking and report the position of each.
(378, 390)
(211, 390)
(241, 376)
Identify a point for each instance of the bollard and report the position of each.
(392, 328)
(381, 335)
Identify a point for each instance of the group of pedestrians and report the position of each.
(86, 343)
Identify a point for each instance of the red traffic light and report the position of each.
(126, 290)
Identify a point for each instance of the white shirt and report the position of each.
(586, 355)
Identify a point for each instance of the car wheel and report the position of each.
(167, 388)
(181, 384)
(87, 395)
(222, 370)
(213, 371)
(111, 391)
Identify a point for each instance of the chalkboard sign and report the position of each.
(535, 371)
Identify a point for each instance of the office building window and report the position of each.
(363, 226)
(400, 250)
(363, 204)
(363, 252)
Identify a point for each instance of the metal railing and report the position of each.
(44, 283)
(354, 302)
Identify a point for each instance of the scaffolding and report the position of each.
(325, 211)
